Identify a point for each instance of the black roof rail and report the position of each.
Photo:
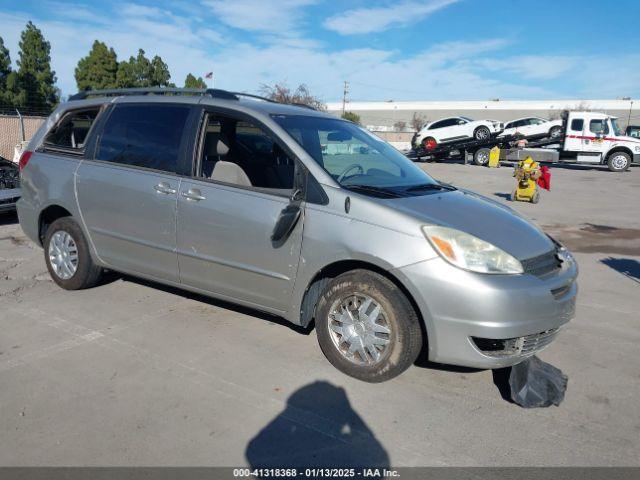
(118, 92)
(212, 92)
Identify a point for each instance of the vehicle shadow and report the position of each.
(506, 196)
(423, 362)
(111, 277)
(628, 267)
(9, 218)
(318, 428)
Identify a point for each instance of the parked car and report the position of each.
(533, 127)
(455, 129)
(9, 185)
(633, 131)
(237, 198)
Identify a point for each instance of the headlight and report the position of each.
(470, 253)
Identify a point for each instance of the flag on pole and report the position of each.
(209, 75)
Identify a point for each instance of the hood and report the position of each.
(479, 216)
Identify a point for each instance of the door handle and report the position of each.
(193, 194)
(165, 188)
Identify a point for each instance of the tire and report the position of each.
(482, 133)
(481, 157)
(426, 141)
(619, 161)
(555, 132)
(396, 314)
(86, 273)
(536, 197)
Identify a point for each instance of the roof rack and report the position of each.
(119, 92)
(212, 92)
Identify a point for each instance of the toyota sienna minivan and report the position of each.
(295, 212)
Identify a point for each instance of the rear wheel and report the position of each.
(555, 132)
(482, 133)
(481, 157)
(366, 326)
(67, 256)
(619, 161)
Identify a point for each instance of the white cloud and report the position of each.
(376, 19)
(271, 16)
(445, 71)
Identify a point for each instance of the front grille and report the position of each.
(542, 264)
(9, 201)
(511, 347)
(9, 178)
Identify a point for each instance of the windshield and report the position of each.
(356, 158)
(616, 129)
(467, 119)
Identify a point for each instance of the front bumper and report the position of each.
(459, 307)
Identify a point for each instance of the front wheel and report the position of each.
(619, 161)
(481, 133)
(555, 132)
(366, 326)
(67, 256)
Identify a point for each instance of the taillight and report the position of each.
(24, 159)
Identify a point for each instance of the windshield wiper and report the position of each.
(431, 186)
(381, 191)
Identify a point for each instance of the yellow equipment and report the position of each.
(494, 157)
(527, 172)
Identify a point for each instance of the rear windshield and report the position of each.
(354, 157)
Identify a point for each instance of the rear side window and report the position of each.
(577, 124)
(71, 131)
(147, 136)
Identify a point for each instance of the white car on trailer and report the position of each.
(454, 129)
(533, 127)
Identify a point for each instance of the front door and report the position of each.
(227, 213)
(128, 194)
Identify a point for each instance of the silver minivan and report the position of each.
(295, 212)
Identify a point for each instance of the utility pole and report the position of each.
(345, 91)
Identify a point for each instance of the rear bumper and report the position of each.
(28, 218)
(458, 305)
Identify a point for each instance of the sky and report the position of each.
(401, 50)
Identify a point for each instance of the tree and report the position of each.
(192, 82)
(35, 77)
(98, 69)
(280, 92)
(160, 75)
(352, 117)
(418, 121)
(5, 71)
(139, 71)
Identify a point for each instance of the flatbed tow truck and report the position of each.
(589, 138)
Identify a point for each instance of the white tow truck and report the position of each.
(591, 138)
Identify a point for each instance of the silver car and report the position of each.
(294, 212)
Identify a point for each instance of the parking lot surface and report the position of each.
(133, 373)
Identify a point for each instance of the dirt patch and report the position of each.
(591, 238)
(18, 241)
